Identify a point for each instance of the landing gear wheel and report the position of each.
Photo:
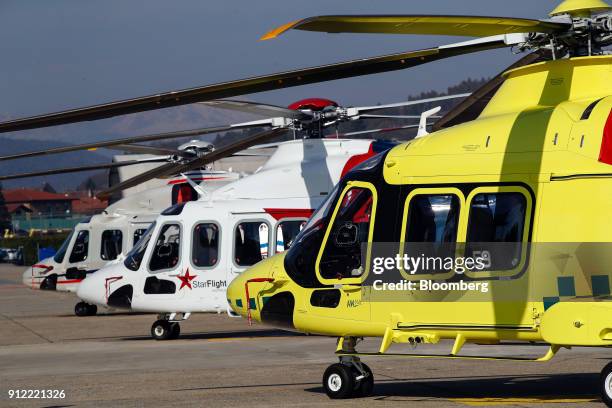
(92, 310)
(605, 384)
(339, 381)
(175, 331)
(366, 384)
(81, 309)
(161, 330)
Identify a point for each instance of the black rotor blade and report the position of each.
(126, 140)
(348, 69)
(175, 168)
(80, 168)
(472, 106)
(142, 149)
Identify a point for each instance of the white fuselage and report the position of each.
(242, 222)
(104, 237)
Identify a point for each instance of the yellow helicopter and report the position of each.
(522, 196)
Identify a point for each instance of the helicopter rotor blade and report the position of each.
(410, 103)
(257, 108)
(81, 168)
(370, 116)
(142, 149)
(371, 131)
(347, 69)
(471, 26)
(130, 140)
(176, 168)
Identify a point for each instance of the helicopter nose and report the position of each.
(244, 291)
(259, 294)
(92, 288)
(28, 278)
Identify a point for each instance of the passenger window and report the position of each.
(286, 231)
(342, 253)
(250, 243)
(80, 248)
(433, 218)
(112, 241)
(137, 235)
(496, 229)
(431, 227)
(205, 249)
(167, 248)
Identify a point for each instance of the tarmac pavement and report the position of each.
(110, 360)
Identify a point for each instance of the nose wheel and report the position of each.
(85, 309)
(352, 380)
(165, 330)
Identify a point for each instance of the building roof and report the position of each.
(26, 195)
(87, 205)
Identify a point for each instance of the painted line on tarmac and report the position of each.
(487, 402)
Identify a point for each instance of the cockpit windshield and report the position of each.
(301, 257)
(299, 262)
(317, 217)
(134, 257)
(61, 252)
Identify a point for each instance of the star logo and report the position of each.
(186, 279)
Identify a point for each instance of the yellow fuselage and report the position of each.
(541, 136)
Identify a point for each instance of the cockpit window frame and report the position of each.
(356, 280)
(152, 243)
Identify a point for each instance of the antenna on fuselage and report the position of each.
(423, 121)
(198, 188)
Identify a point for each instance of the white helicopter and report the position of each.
(101, 238)
(200, 246)
(186, 259)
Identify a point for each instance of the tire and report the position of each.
(605, 384)
(366, 385)
(161, 330)
(81, 309)
(339, 381)
(175, 331)
(92, 310)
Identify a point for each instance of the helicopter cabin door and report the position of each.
(342, 262)
(251, 237)
(78, 262)
(167, 276)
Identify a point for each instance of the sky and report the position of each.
(69, 53)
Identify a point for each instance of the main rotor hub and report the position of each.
(313, 104)
(322, 112)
